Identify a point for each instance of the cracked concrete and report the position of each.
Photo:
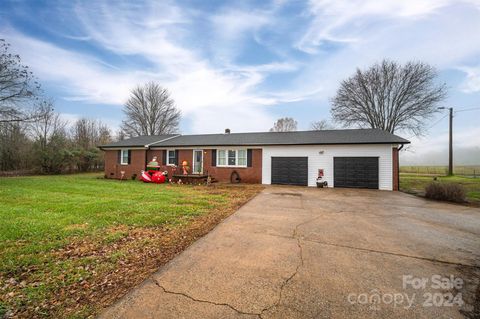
(296, 252)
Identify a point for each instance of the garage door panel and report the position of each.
(357, 172)
(290, 170)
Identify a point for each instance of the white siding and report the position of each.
(317, 160)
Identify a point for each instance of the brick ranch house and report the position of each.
(362, 158)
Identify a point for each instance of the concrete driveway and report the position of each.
(296, 252)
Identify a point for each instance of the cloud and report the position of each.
(80, 77)
(107, 48)
(152, 33)
(444, 36)
(232, 27)
(471, 83)
(344, 21)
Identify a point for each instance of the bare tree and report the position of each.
(18, 87)
(150, 111)
(119, 135)
(15, 146)
(50, 140)
(48, 125)
(285, 124)
(87, 134)
(320, 125)
(389, 96)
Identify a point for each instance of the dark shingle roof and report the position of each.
(325, 137)
(351, 136)
(139, 141)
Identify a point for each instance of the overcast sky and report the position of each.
(243, 64)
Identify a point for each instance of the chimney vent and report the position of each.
(227, 131)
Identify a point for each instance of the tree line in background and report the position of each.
(51, 145)
(33, 137)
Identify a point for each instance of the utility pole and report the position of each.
(450, 143)
(450, 139)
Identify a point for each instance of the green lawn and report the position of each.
(413, 183)
(60, 234)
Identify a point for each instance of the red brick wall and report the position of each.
(183, 155)
(222, 174)
(113, 169)
(247, 174)
(395, 168)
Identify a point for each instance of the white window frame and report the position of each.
(167, 160)
(123, 150)
(236, 157)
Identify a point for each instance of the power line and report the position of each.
(431, 125)
(470, 109)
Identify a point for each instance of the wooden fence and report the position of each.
(470, 171)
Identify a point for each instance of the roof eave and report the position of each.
(277, 144)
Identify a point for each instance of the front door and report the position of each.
(197, 161)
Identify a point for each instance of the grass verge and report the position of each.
(415, 184)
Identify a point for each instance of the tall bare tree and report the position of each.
(389, 96)
(285, 124)
(50, 140)
(18, 87)
(320, 125)
(48, 125)
(150, 111)
(87, 134)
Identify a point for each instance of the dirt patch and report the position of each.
(92, 273)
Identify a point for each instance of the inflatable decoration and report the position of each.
(146, 177)
(158, 178)
(153, 173)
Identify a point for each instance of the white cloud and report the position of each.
(442, 36)
(344, 21)
(81, 77)
(231, 27)
(471, 83)
(194, 53)
(155, 35)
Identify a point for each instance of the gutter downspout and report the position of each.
(398, 165)
(147, 148)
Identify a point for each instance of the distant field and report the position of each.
(415, 183)
(470, 170)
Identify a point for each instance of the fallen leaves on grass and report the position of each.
(89, 274)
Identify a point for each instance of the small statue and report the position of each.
(185, 167)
